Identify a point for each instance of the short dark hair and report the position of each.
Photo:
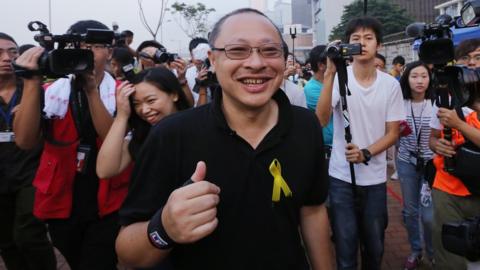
(123, 56)
(381, 57)
(467, 46)
(317, 56)
(367, 23)
(405, 85)
(398, 60)
(212, 37)
(149, 43)
(163, 79)
(7, 37)
(127, 33)
(81, 27)
(195, 41)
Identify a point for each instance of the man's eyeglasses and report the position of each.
(243, 51)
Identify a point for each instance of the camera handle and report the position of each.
(445, 102)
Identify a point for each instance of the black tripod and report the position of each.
(341, 66)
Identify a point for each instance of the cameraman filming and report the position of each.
(452, 201)
(80, 208)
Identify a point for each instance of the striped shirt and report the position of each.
(422, 113)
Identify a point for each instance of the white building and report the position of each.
(261, 5)
(326, 14)
(452, 7)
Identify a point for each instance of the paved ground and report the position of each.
(396, 244)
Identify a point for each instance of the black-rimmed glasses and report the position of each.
(243, 51)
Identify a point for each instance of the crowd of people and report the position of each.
(239, 158)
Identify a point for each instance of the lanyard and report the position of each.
(7, 115)
(418, 135)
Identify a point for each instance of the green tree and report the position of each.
(192, 19)
(393, 18)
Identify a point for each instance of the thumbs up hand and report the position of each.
(190, 213)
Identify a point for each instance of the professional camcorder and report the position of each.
(452, 87)
(67, 57)
(463, 238)
(161, 56)
(336, 51)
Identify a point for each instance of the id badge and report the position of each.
(7, 136)
(83, 152)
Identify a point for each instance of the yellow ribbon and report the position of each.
(279, 184)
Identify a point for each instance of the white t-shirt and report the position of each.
(294, 93)
(369, 109)
(190, 75)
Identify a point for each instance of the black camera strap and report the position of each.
(418, 131)
(81, 115)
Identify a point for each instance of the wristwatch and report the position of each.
(367, 155)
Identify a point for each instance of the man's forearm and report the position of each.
(102, 120)
(386, 141)
(26, 124)
(316, 235)
(135, 250)
(324, 103)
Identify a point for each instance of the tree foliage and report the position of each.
(393, 18)
(192, 19)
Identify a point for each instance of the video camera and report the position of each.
(343, 51)
(161, 56)
(452, 86)
(463, 238)
(67, 57)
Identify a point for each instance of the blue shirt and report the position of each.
(312, 91)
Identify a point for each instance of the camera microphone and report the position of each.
(415, 29)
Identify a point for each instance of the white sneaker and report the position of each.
(394, 176)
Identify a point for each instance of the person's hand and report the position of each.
(331, 68)
(353, 153)
(289, 71)
(181, 67)
(449, 118)
(190, 213)
(124, 90)
(202, 74)
(444, 147)
(29, 59)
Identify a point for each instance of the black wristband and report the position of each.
(156, 232)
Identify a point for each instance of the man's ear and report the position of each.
(379, 46)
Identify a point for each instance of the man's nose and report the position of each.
(255, 60)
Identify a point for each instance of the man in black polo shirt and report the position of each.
(23, 238)
(258, 169)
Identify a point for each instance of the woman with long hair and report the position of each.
(154, 94)
(413, 153)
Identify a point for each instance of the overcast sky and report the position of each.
(16, 14)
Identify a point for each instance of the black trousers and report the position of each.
(24, 244)
(86, 244)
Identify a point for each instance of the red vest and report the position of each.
(56, 174)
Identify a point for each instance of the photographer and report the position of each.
(375, 109)
(24, 244)
(452, 201)
(197, 74)
(80, 209)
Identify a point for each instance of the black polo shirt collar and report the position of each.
(274, 136)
